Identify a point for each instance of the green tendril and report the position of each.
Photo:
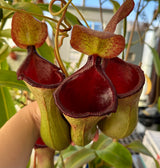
(60, 11)
(30, 13)
(80, 14)
(59, 31)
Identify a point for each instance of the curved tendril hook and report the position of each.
(67, 27)
(63, 33)
(61, 41)
(62, 11)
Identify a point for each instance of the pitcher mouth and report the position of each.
(87, 92)
(127, 78)
(39, 72)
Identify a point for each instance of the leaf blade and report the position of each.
(116, 5)
(5, 33)
(116, 155)
(4, 52)
(9, 79)
(6, 106)
(29, 7)
(80, 158)
(46, 52)
(6, 12)
(138, 146)
(72, 19)
(103, 141)
(156, 59)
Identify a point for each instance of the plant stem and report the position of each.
(57, 55)
(80, 60)
(157, 92)
(131, 35)
(100, 9)
(31, 13)
(61, 156)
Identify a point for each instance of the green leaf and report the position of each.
(4, 65)
(80, 158)
(116, 155)
(4, 51)
(6, 12)
(103, 142)
(46, 52)
(29, 7)
(138, 146)
(2, 42)
(156, 60)
(9, 79)
(72, 19)
(69, 151)
(5, 33)
(6, 106)
(52, 24)
(18, 49)
(66, 153)
(116, 5)
(98, 163)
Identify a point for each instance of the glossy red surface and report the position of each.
(127, 78)
(87, 92)
(39, 72)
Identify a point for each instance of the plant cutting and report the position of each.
(96, 97)
(81, 111)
